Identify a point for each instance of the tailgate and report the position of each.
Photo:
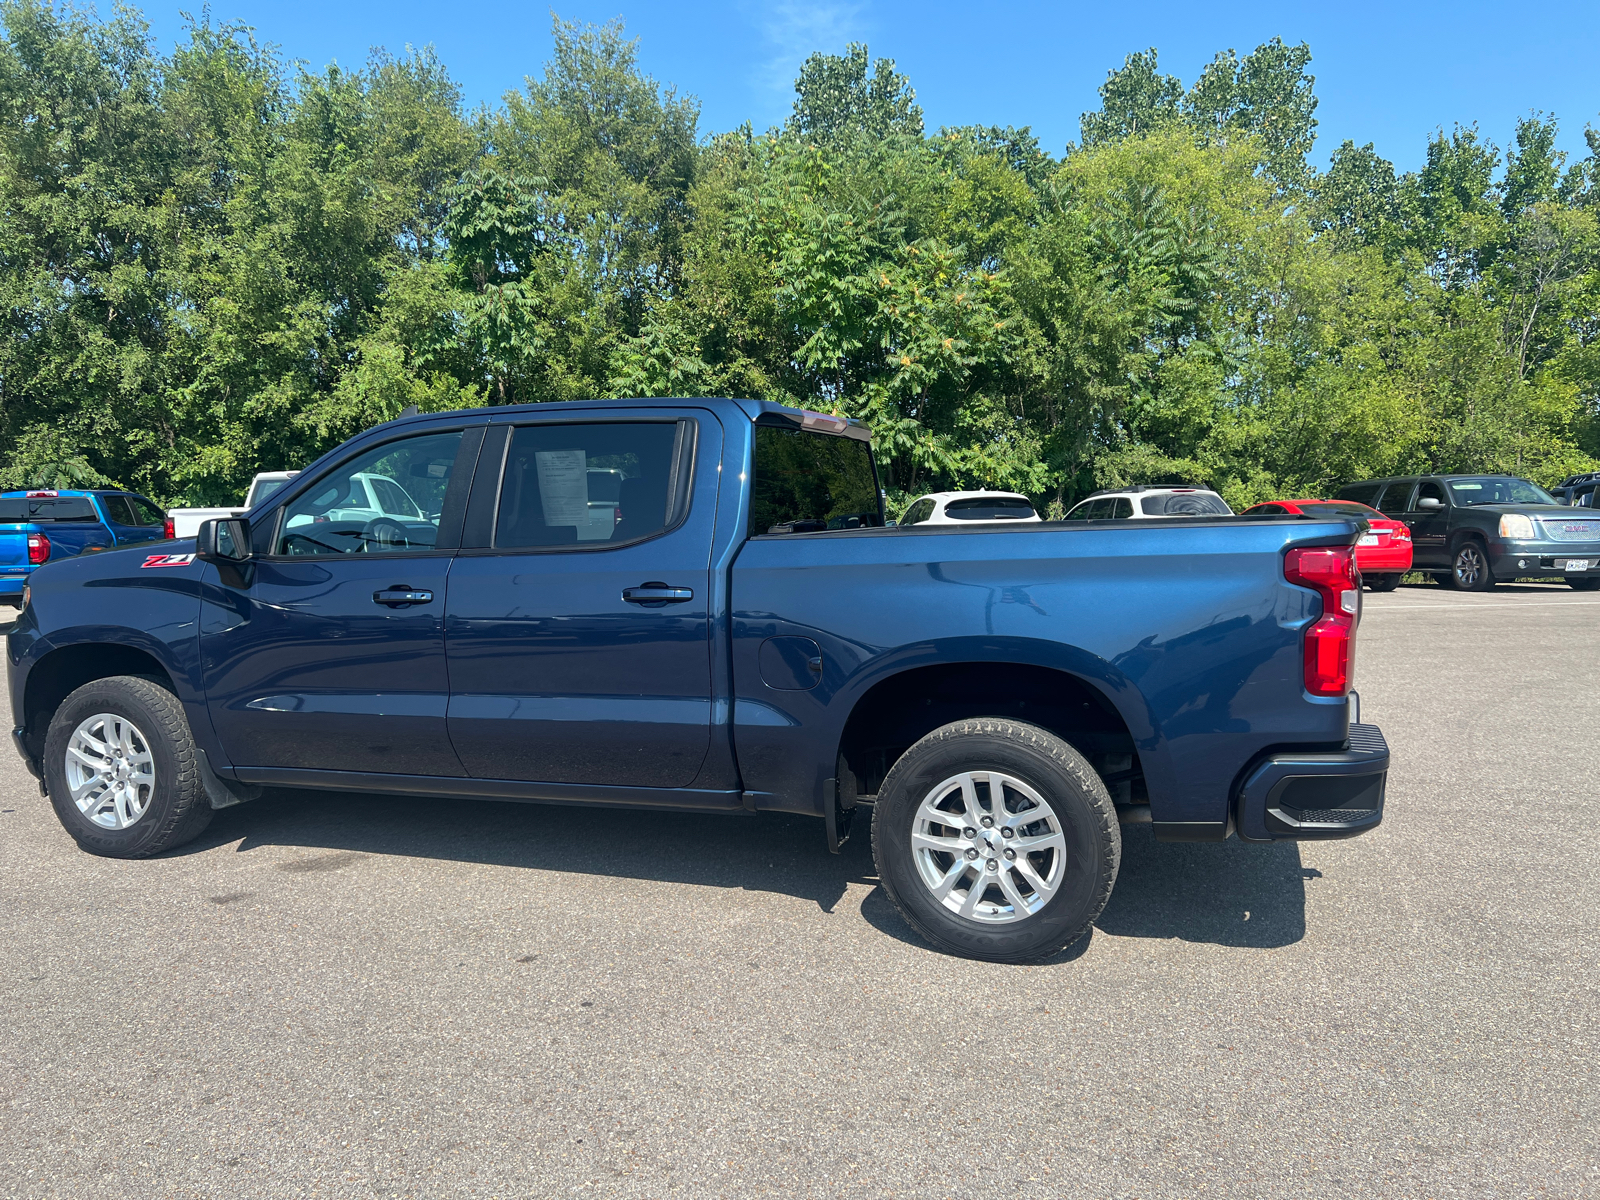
(14, 549)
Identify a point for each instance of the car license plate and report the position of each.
(1578, 564)
(1368, 539)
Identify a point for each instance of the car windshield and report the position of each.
(47, 508)
(1340, 508)
(1497, 489)
(1184, 504)
(989, 508)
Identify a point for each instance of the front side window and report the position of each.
(1497, 489)
(611, 482)
(918, 512)
(807, 481)
(363, 507)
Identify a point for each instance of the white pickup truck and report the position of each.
(186, 521)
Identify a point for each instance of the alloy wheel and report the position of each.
(111, 772)
(988, 847)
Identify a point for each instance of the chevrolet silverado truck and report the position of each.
(740, 633)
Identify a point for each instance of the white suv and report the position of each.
(1142, 501)
(963, 508)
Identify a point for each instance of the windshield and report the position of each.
(1497, 489)
(1340, 508)
(989, 508)
(1184, 504)
(47, 508)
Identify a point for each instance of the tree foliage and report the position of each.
(213, 263)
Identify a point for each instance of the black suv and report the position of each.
(1477, 529)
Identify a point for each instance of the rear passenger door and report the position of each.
(133, 519)
(1430, 527)
(578, 630)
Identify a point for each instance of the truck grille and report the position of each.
(1557, 530)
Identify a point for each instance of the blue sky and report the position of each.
(1387, 73)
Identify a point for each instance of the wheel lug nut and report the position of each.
(1008, 833)
(993, 866)
(1010, 854)
(971, 854)
(987, 822)
(969, 832)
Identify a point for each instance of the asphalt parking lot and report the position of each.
(347, 996)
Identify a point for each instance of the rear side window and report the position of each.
(570, 485)
(1396, 498)
(133, 510)
(1184, 504)
(806, 481)
(1123, 509)
(1362, 493)
(989, 508)
(918, 513)
(47, 508)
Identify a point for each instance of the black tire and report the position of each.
(1584, 585)
(1081, 812)
(177, 809)
(1469, 567)
(1382, 583)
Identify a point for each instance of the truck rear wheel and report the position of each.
(996, 840)
(122, 769)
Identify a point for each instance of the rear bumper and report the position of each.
(1374, 560)
(1315, 795)
(11, 587)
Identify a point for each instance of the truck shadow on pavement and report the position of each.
(764, 852)
(1229, 894)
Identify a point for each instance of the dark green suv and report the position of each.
(1478, 529)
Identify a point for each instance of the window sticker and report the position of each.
(167, 560)
(563, 486)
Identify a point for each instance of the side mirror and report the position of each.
(1429, 504)
(223, 539)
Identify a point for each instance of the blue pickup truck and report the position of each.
(44, 525)
(729, 627)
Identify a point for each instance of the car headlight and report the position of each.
(1517, 527)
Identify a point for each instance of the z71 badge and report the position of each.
(168, 560)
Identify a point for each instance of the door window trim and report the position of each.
(482, 513)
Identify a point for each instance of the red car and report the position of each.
(1382, 555)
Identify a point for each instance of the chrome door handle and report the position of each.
(396, 596)
(657, 594)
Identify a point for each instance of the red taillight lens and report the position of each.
(1330, 650)
(38, 548)
(168, 529)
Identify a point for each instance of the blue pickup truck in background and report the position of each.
(43, 525)
(729, 626)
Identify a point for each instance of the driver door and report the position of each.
(326, 653)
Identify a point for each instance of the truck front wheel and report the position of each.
(996, 840)
(122, 769)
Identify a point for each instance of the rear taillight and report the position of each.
(1401, 534)
(1330, 571)
(38, 548)
(168, 529)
